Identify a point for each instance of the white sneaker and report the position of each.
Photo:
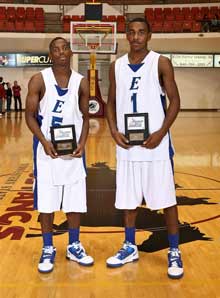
(128, 253)
(76, 252)
(46, 262)
(175, 265)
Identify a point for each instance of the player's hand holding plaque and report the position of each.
(136, 128)
(63, 139)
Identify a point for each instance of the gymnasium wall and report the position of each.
(199, 88)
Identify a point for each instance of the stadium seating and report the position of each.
(162, 19)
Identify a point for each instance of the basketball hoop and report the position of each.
(87, 37)
(93, 38)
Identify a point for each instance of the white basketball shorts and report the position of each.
(69, 198)
(151, 180)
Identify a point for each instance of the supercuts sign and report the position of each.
(25, 60)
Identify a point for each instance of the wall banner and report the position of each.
(24, 60)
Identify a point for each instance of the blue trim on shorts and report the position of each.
(84, 162)
(171, 151)
(35, 146)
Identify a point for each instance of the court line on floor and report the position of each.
(111, 283)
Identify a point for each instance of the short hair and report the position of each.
(140, 20)
(55, 39)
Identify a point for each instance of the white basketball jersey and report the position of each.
(58, 107)
(138, 90)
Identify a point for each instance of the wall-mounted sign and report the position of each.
(24, 60)
(216, 60)
(192, 60)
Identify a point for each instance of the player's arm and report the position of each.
(35, 87)
(84, 108)
(119, 138)
(166, 74)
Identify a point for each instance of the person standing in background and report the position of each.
(2, 96)
(8, 96)
(17, 96)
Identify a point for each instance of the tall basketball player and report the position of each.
(59, 96)
(137, 84)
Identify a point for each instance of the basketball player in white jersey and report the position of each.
(137, 82)
(59, 96)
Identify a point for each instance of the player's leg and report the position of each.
(74, 203)
(46, 262)
(175, 266)
(160, 194)
(128, 197)
(48, 201)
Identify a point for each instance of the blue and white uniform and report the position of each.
(60, 182)
(142, 172)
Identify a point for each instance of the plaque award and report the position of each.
(63, 139)
(136, 128)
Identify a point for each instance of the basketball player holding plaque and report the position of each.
(57, 115)
(139, 124)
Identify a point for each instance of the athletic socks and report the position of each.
(173, 240)
(47, 239)
(130, 235)
(73, 235)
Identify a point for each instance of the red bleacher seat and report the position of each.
(121, 26)
(30, 14)
(204, 9)
(159, 17)
(214, 10)
(189, 17)
(187, 26)
(179, 17)
(170, 17)
(29, 26)
(2, 13)
(168, 26)
(176, 10)
(158, 14)
(20, 13)
(112, 18)
(195, 10)
(2, 25)
(11, 13)
(39, 26)
(158, 10)
(66, 23)
(185, 10)
(39, 13)
(167, 10)
(196, 27)
(199, 16)
(76, 18)
(178, 26)
(149, 14)
(19, 25)
(157, 27)
(10, 26)
(104, 19)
